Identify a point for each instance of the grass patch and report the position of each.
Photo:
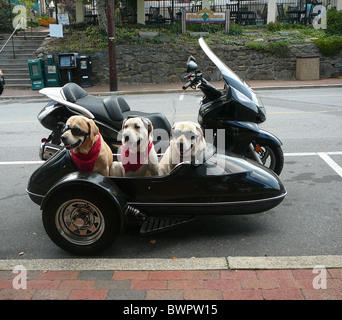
(278, 48)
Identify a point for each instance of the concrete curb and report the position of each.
(166, 91)
(220, 263)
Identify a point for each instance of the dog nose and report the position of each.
(126, 138)
(63, 139)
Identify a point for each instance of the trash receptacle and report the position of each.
(36, 69)
(307, 68)
(84, 67)
(52, 76)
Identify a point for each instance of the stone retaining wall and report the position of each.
(163, 63)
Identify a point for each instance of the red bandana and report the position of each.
(85, 162)
(134, 161)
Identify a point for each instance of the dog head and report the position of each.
(79, 133)
(187, 138)
(136, 133)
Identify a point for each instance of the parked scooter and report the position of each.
(237, 110)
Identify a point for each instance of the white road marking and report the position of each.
(304, 154)
(323, 155)
(181, 97)
(300, 154)
(331, 163)
(16, 163)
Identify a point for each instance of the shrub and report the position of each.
(235, 29)
(258, 46)
(329, 46)
(334, 22)
(273, 26)
(5, 22)
(278, 48)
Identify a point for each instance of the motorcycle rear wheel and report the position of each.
(271, 155)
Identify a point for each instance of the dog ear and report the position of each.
(123, 122)
(201, 135)
(93, 129)
(148, 123)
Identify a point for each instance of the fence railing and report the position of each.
(242, 11)
(11, 38)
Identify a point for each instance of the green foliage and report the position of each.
(329, 46)
(5, 21)
(330, 43)
(85, 37)
(257, 46)
(125, 35)
(278, 48)
(273, 26)
(334, 22)
(235, 29)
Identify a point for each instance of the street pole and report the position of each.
(113, 82)
(55, 2)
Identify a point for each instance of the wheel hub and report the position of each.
(82, 218)
(80, 222)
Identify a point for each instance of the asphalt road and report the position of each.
(307, 222)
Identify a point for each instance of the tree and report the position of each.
(102, 15)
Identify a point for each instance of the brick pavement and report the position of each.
(296, 284)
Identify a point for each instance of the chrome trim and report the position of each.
(204, 204)
(34, 194)
(46, 151)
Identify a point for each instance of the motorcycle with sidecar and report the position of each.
(84, 212)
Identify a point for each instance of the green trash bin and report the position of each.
(36, 69)
(52, 75)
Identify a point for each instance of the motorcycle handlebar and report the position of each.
(187, 85)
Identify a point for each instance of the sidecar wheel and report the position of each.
(82, 223)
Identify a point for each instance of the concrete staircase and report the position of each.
(15, 69)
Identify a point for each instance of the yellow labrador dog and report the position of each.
(88, 149)
(138, 156)
(187, 143)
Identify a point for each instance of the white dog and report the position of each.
(187, 143)
(138, 156)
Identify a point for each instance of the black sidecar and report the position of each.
(84, 213)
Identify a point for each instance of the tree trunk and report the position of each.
(102, 15)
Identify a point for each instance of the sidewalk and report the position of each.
(177, 87)
(232, 278)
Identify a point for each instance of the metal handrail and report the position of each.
(11, 37)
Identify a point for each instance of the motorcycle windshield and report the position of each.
(229, 76)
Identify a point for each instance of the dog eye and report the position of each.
(136, 126)
(76, 131)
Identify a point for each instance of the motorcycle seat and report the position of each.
(115, 106)
(112, 110)
(72, 92)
